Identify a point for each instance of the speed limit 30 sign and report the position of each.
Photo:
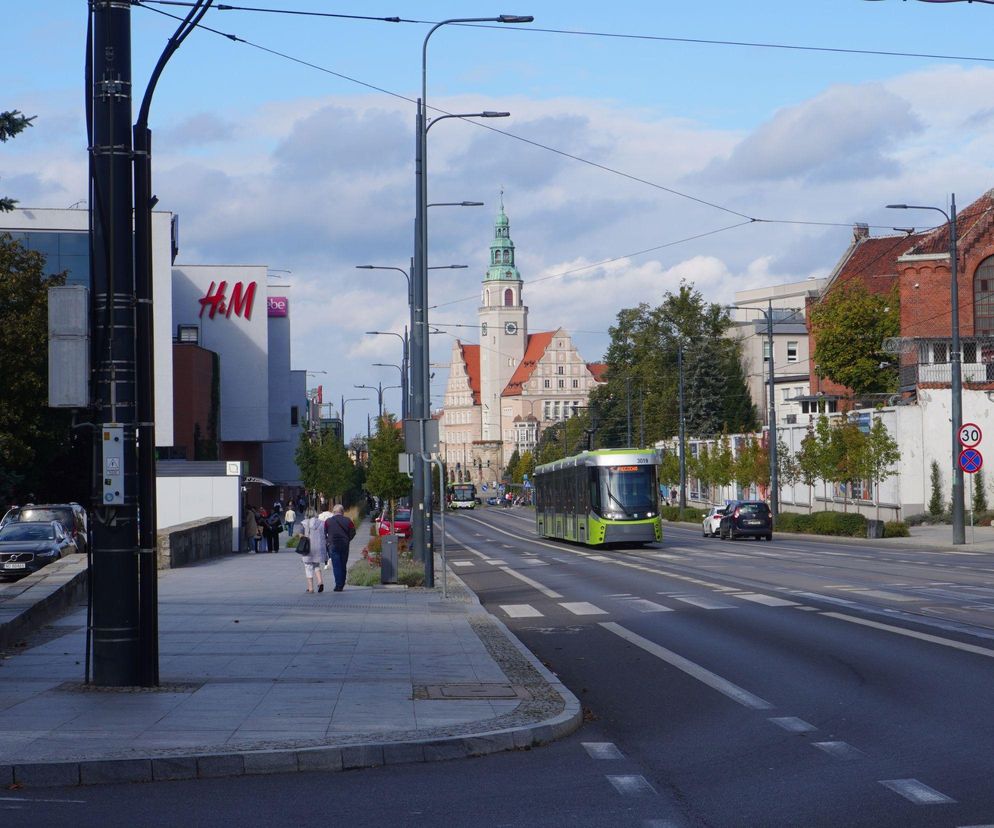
(970, 435)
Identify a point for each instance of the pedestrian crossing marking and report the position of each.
(463, 563)
(582, 608)
(766, 600)
(521, 611)
(703, 602)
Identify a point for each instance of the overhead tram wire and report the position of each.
(694, 41)
(481, 124)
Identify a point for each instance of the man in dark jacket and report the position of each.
(338, 532)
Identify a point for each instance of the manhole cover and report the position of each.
(472, 691)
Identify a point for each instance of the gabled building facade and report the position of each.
(504, 391)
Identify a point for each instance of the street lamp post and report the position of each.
(351, 399)
(378, 388)
(421, 408)
(403, 366)
(955, 363)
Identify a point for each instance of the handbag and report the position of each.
(304, 546)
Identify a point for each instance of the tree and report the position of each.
(788, 467)
(751, 464)
(325, 466)
(808, 463)
(722, 462)
(669, 470)
(851, 455)
(527, 466)
(883, 453)
(11, 123)
(850, 325)
(39, 453)
(935, 501)
(979, 492)
(384, 478)
(512, 467)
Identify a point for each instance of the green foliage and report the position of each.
(11, 123)
(384, 478)
(526, 466)
(511, 470)
(669, 469)
(38, 451)
(326, 467)
(823, 523)
(675, 513)
(979, 492)
(643, 354)
(563, 439)
(752, 464)
(896, 529)
(935, 501)
(883, 453)
(849, 326)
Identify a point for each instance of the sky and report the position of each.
(629, 163)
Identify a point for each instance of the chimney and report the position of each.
(860, 231)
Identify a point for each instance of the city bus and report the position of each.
(463, 496)
(600, 497)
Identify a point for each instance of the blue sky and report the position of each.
(271, 162)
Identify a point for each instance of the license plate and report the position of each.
(755, 522)
(15, 566)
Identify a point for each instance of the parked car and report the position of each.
(72, 516)
(712, 521)
(746, 519)
(401, 523)
(26, 547)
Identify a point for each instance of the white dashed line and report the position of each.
(582, 608)
(793, 725)
(766, 600)
(631, 785)
(642, 605)
(463, 563)
(598, 558)
(494, 561)
(703, 675)
(521, 611)
(840, 750)
(917, 792)
(534, 562)
(602, 750)
(703, 602)
(548, 593)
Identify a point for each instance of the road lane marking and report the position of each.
(494, 561)
(463, 563)
(792, 724)
(599, 558)
(582, 608)
(860, 592)
(619, 595)
(521, 611)
(766, 600)
(933, 639)
(703, 602)
(602, 750)
(840, 750)
(702, 674)
(646, 606)
(917, 792)
(534, 562)
(631, 785)
(548, 593)
(807, 609)
(29, 800)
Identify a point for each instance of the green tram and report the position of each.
(600, 497)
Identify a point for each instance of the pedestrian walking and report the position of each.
(250, 528)
(274, 525)
(339, 531)
(325, 514)
(312, 528)
(289, 519)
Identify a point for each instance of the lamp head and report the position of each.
(897, 206)
(490, 114)
(365, 267)
(515, 18)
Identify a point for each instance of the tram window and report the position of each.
(594, 489)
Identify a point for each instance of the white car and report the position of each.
(712, 521)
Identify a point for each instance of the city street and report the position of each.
(723, 683)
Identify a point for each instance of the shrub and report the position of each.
(896, 529)
(365, 573)
(823, 523)
(675, 513)
(935, 501)
(794, 522)
(292, 542)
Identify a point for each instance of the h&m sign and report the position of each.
(215, 301)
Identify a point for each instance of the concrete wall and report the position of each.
(194, 541)
(180, 500)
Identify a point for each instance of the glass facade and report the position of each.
(63, 250)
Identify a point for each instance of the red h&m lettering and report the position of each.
(242, 299)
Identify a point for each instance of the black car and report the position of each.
(27, 547)
(746, 519)
(72, 516)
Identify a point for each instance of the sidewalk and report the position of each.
(259, 677)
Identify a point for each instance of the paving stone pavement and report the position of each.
(258, 676)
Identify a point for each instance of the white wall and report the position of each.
(182, 499)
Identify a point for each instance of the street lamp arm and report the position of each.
(387, 267)
(918, 207)
(463, 115)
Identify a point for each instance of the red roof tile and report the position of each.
(471, 358)
(971, 221)
(535, 348)
(598, 370)
(873, 262)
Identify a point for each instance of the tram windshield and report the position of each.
(628, 489)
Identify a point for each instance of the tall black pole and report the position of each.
(682, 426)
(417, 362)
(956, 379)
(116, 654)
(772, 432)
(642, 416)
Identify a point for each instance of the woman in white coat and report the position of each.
(312, 528)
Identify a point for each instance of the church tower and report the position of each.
(503, 326)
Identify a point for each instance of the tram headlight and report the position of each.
(613, 515)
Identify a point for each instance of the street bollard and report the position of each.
(388, 559)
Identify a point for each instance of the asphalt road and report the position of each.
(725, 684)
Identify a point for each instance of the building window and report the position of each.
(188, 333)
(546, 384)
(983, 298)
(507, 257)
(294, 415)
(940, 352)
(508, 298)
(576, 383)
(562, 383)
(559, 369)
(791, 352)
(766, 350)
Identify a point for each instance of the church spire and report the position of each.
(502, 265)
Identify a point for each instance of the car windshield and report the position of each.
(64, 516)
(27, 531)
(760, 509)
(402, 514)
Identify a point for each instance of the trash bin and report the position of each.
(388, 559)
(874, 528)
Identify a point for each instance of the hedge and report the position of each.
(896, 529)
(846, 524)
(674, 513)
